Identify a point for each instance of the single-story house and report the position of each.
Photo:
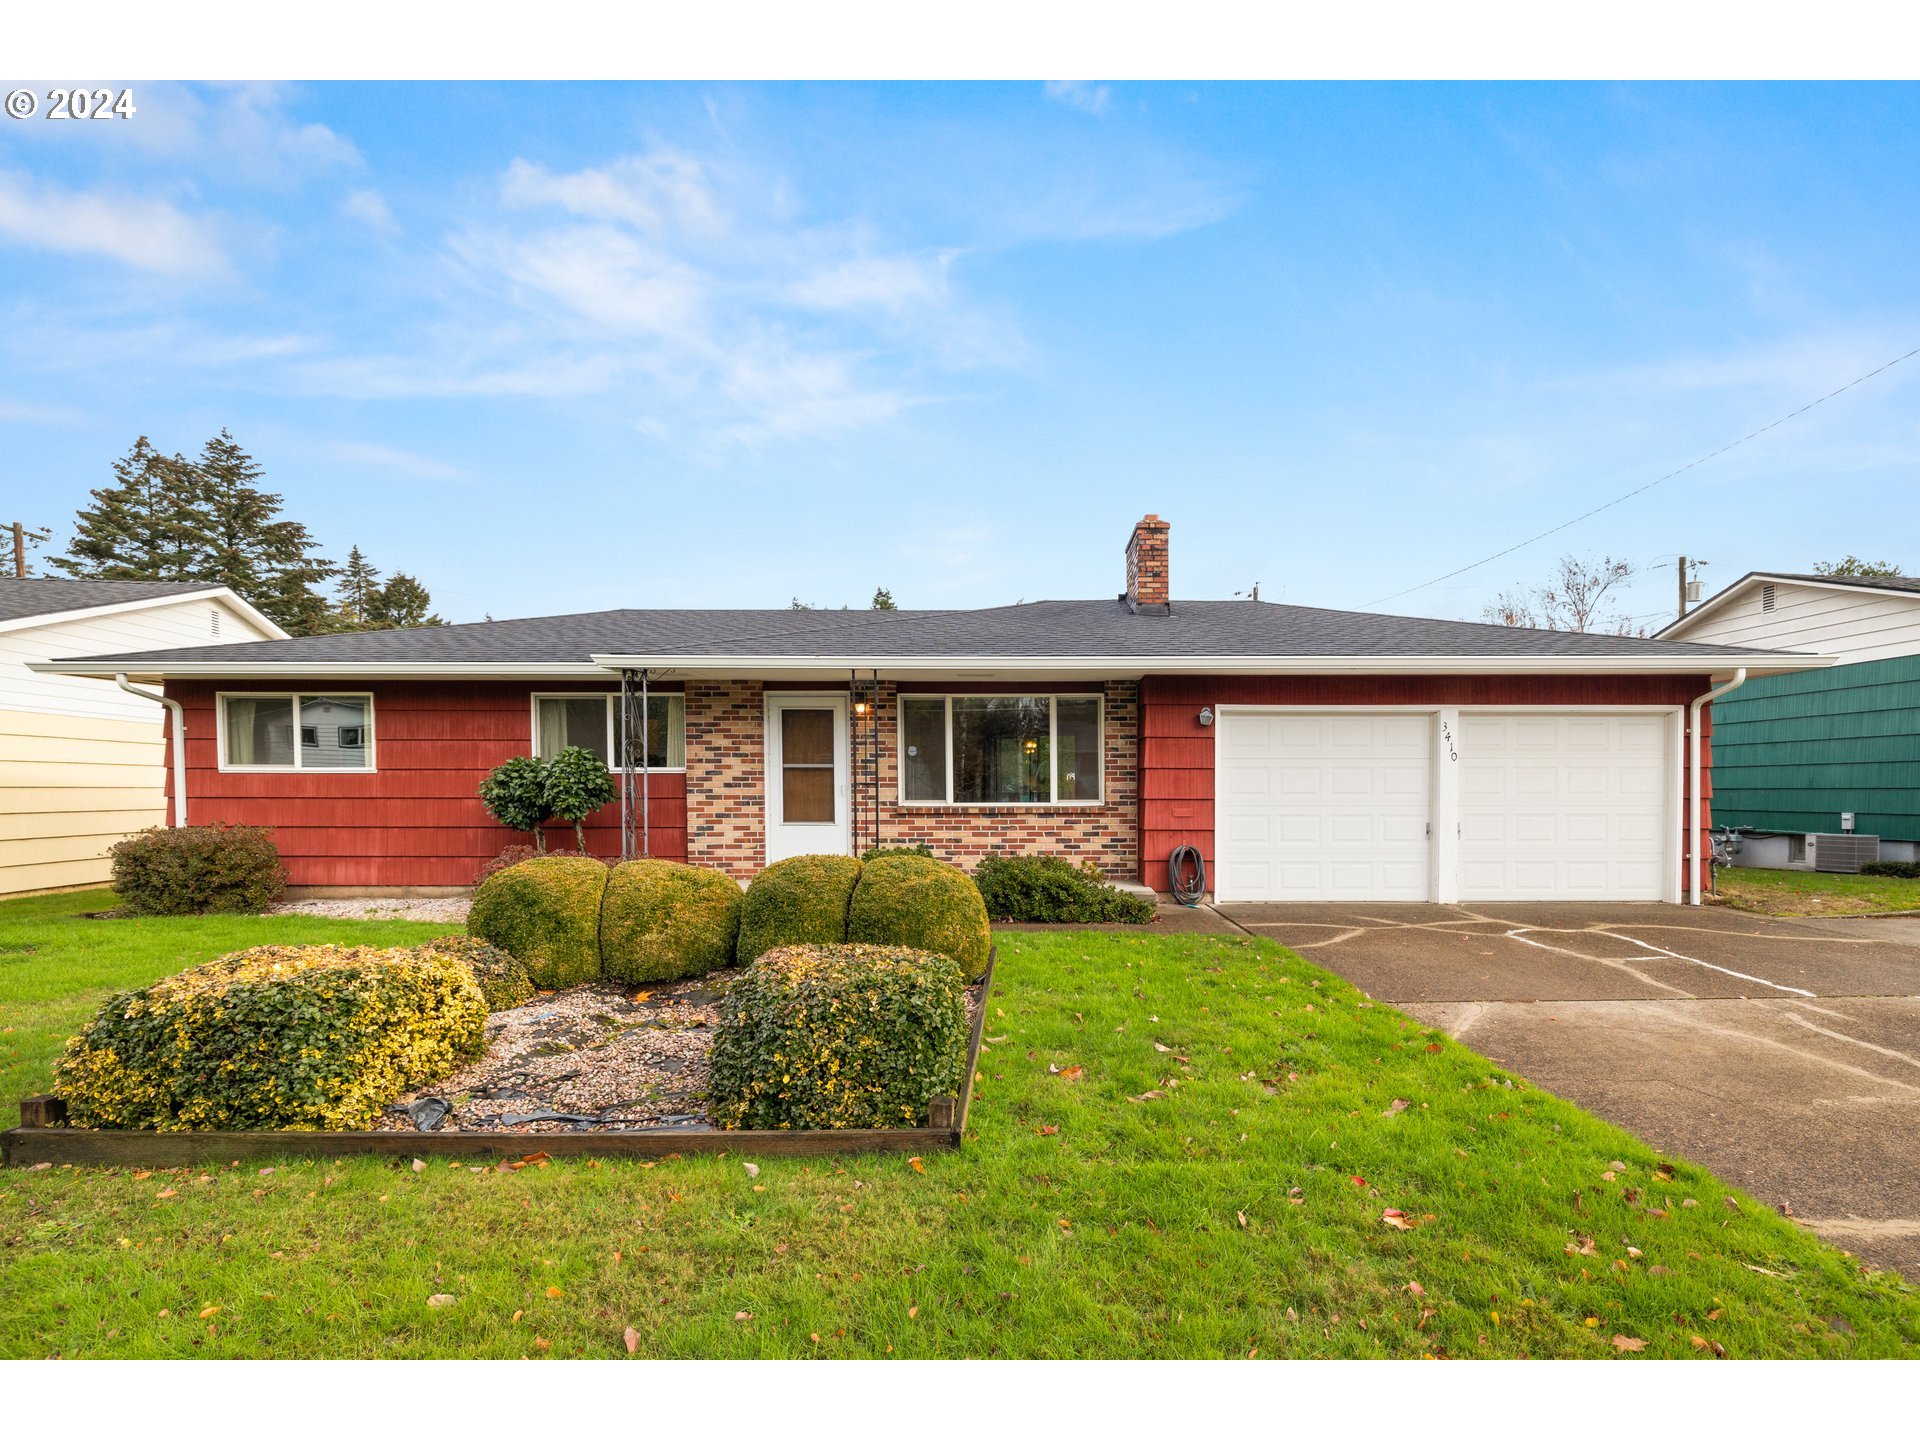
(1797, 754)
(1305, 754)
(81, 762)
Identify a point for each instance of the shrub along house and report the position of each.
(1306, 754)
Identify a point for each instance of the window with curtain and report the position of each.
(1000, 749)
(297, 732)
(593, 723)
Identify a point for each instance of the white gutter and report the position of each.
(1693, 778)
(178, 719)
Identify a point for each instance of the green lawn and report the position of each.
(1805, 892)
(1205, 1175)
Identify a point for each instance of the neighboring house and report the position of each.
(1795, 753)
(80, 762)
(1307, 754)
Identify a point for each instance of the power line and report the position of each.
(1621, 499)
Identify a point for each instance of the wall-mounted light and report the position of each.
(1206, 715)
(859, 707)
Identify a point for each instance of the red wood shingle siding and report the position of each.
(417, 819)
(1176, 750)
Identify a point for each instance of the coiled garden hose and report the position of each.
(1187, 875)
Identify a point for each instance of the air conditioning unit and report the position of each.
(1843, 853)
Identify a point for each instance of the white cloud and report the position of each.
(369, 207)
(140, 231)
(661, 190)
(1080, 94)
(891, 283)
(401, 462)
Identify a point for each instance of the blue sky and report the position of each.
(557, 348)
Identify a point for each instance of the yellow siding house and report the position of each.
(81, 761)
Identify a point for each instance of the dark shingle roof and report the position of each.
(20, 599)
(1047, 629)
(1909, 583)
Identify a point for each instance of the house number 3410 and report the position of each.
(1446, 735)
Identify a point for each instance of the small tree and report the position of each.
(577, 785)
(1574, 599)
(515, 794)
(1853, 567)
(883, 599)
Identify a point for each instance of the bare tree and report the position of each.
(1573, 598)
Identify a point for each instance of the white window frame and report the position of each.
(613, 720)
(370, 725)
(1053, 699)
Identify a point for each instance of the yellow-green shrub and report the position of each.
(924, 905)
(662, 921)
(283, 1037)
(834, 1037)
(546, 913)
(501, 977)
(798, 901)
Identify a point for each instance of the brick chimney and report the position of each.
(1147, 564)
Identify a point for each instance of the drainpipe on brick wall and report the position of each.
(178, 719)
(1693, 779)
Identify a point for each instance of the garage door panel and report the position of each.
(1564, 806)
(1347, 809)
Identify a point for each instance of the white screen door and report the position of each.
(806, 776)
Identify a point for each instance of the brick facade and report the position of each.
(1108, 833)
(726, 789)
(726, 776)
(1147, 578)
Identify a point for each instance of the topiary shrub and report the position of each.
(919, 847)
(502, 979)
(1047, 890)
(283, 1037)
(1893, 869)
(546, 913)
(510, 856)
(515, 794)
(662, 921)
(924, 905)
(198, 870)
(801, 901)
(835, 1037)
(577, 785)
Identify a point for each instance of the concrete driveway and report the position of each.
(1782, 1054)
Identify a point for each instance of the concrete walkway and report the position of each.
(1782, 1054)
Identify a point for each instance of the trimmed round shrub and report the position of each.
(545, 912)
(198, 870)
(923, 905)
(1045, 889)
(919, 847)
(662, 921)
(801, 901)
(283, 1037)
(502, 979)
(836, 1037)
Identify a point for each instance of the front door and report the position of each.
(806, 775)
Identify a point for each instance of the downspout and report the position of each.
(178, 720)
(1693, 779)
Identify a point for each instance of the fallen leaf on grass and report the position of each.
(418, 1166)
(209, 1312)
(919, 1165)
(912, 1310)
(743, 1315)
(1628, 1344)
(1048, 1130)
(1398, 1219)
(166, 1194)
(632, 1338)
(554, 1292)
(439, 1302)
(1146, 1095)
(753, 1170)
(1241, 1215)
(1416, 1289)
(1689, 1203)
(1394, 1109)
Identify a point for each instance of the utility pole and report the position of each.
(1683, 587)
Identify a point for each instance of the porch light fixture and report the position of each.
(1206, 715)
(859, 707)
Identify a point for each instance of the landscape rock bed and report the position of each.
(594, 1057)
(445, 909)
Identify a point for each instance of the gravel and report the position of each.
(451, 909)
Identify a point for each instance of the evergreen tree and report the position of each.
(883, 600)
(267, 561)
(144, 526)
(403, 602)
(359, 591)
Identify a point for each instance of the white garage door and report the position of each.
(1323, 806)
(1564, 807)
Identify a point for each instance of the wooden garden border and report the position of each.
(43, 1137)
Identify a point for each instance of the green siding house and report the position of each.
(1793, 754)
